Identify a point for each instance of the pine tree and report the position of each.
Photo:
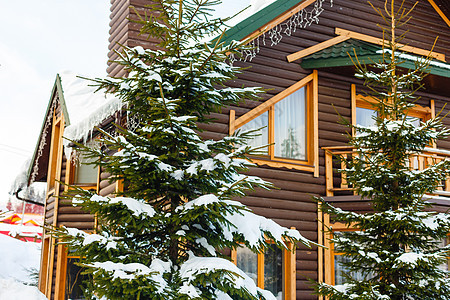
(163, 237)
(396, 248)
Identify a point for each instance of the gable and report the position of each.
(38, 165)
(82, 108)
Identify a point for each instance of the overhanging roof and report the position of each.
(263, 17)
(348, 52)
(259, 19)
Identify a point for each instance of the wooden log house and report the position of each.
(301, 57)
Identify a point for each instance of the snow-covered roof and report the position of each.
(80, 98)
(83, 107)
(36, 191)
(255, 6)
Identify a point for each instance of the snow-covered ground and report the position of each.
(19, 263)
(13, 290)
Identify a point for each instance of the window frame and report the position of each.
(336, 227)
(329, 267)
(367, 102)
(70, 179)
(311, 164)
(61, 270)
(289, 270)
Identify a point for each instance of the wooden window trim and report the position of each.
(53, 190)
(43, 272)
(55, 154)
(418, 111)
(61, 270)
(312, 143)
(289, 270)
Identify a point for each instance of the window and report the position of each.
(364, 113)
(443, 243)
(69, 276)
(74, 280)
(273, 270)
(334, 269)
(81, 172)
(340, 270)
(365, 116)
(85, 173)
(290, 127)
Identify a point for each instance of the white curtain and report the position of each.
(247, 261)
(262, 137)
(290, 126)
(365, 116)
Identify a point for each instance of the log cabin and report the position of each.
(300, 56)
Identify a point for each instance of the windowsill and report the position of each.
(86, 186)
(281, 163)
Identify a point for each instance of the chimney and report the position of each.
(125, 32)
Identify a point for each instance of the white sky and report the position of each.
(38, 39)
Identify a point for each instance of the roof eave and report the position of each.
(258, 20)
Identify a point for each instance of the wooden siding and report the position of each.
(125, 32)
(292, 204)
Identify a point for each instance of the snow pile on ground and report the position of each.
(19, 263)
(18, 260)
(13, 290)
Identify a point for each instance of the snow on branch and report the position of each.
(241, 221)
(138, 208)
(131, 271)
(195, 266)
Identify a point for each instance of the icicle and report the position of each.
(302, 19)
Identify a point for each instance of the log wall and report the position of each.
(125, 32)
(291, 204)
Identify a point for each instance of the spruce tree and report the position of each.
(164, 236)
(396, 247)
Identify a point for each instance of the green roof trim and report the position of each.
(341, 55)
(62, 101)
(47, 111)
(258, 19)
(57, 88)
